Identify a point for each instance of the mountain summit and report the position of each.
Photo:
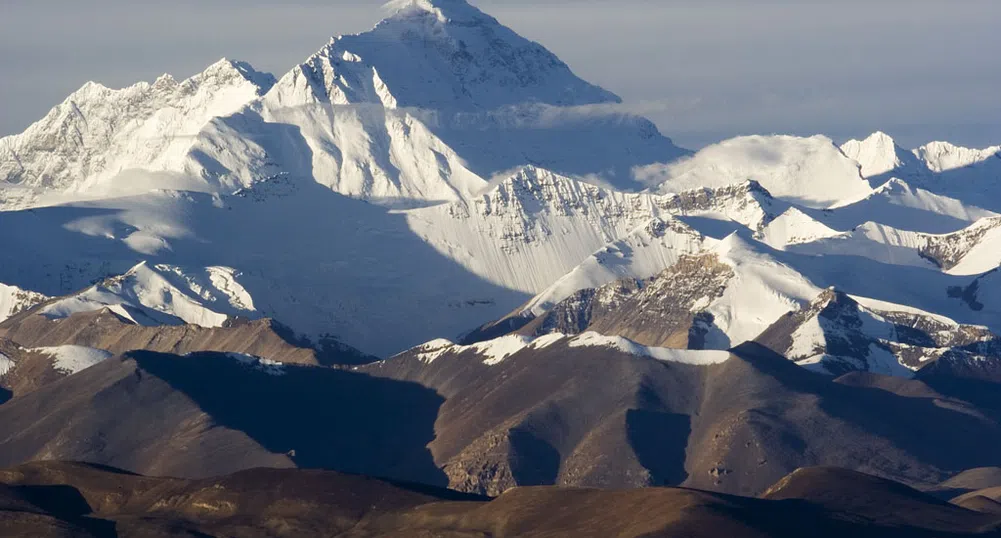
(425, 108)
(440, 171)
(448, 54)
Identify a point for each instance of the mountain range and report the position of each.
(432, 253)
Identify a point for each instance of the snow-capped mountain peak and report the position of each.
(422, 109)
(443, 10)
(809, 171)
(438, 55)
(878, 154)
(163, 295)
(226, 70)
(98, 133)
(944, 156)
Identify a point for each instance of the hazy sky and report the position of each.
(704, 70)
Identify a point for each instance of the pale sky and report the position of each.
(703, 70)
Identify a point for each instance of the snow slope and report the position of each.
(73, 359)
(495, 351)
(549, 235)
(970, 251)
(795, 227)
(898, 204)
(438, 172)
(810, 171)
(163, 295)
(683, 356)
(733, 289)
(320, 263)
(98, 135)
(976, 249)
(14, 300)
(874, 241)
(970, 175)
(645, 252)
(879, 154)
(837, 333)
(943, 156)
(761, 290)
(427, 107)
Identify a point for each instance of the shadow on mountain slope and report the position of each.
(574, 141)
(924, 288)
(916, 427)
(975, 185)
(279, 503)
(312, 259)
(207, 413)
(659, 441)
(322, 418)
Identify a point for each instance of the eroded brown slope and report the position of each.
(571, 416)
(598, 417)
(68, 499)
(209, 414)
(103, 329)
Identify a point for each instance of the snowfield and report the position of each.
(440, 172)
(73, 359)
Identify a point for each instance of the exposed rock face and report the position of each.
(947, 251)
(106, 330)
(14, 300)
(667, 312)
(749, 200)
(575, 314)
(836, 334)
(594, 416)
(980, 295)
(98, 132)
(664, 311)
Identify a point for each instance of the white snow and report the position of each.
(807, 341)
(547, 340)
(683, 356)
(437, 173)
(762, 290)
(874, 241)
(498, 349)
(878, 154)
(86, 143)
(881, 361)
(73, 359)
(982, 254)
(794, 227)
(898, 204)
(493, 351)
(432, 350)
(267, 366)
(645, 252)
(943, 156)
(870, 322)
(14, 300)
(163, 294)
(5, 364)
(810, 171)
